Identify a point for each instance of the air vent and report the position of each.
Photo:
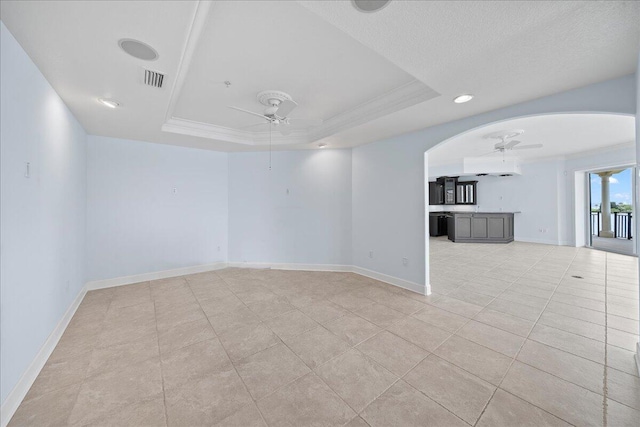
(153, 78)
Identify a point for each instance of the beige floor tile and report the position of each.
(323, 311)
(380, 315)
(305, 402)
(457, 306)
(402, 405)
(355, 378)
(493, 338)
(194, 361)
(108, 359)
(401, 303)
(357, 422)
(170, 316)
(317, 346)
(515, 309)
(460, 392)
(420, 333)
(185, 334)
(50, 409)
(351, 300)
(270, 369)
(471, 297)
(247, 416)
(127, 333)
(206, 291)
(214, 306)
(106, 393)
(441, 318)
(623, 324)
(529, 300)
(573, 325)
(565, 400)
(148, 412)
(352, 329)
(256, 294)
(207, 399)
(392, 352)
(291, 324)
(572, 343)
(57, 374)
(233, 320)
(623, 387)
(507, 410)
(576, 312)
(248, 340)
(506, 322)
(474, 358)
(622, 360)
(271, 308)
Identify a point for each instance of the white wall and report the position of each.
(388, 180)
(137, 224)
(297, 212)
(42, 225)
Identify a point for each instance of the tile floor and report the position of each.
(511, 336)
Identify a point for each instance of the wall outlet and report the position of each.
(405, 261)
(370, 254)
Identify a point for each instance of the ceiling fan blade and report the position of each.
(250, 112)
(490, 152)
(527, 147)
(511, 144)
(285, 108)
(305, 122)
(254, 125)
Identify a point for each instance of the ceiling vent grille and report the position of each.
(153, 78)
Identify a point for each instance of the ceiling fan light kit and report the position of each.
(279, 105)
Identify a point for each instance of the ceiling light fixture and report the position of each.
(368, 6)
(137, 49)
(109, 102)
(322, 145)
(461, 99)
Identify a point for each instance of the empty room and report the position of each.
(319, 213)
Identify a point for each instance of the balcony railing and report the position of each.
(621, 223)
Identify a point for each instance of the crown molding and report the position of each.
(397, 99)
(403, 96)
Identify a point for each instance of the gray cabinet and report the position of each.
(480, 227)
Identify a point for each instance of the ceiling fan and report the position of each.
(508, 144)
(279, 106)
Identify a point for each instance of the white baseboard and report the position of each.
(540, 241)
(395, 281)
(290, 266)
(405, 284)
(127, 280)
(13, 400)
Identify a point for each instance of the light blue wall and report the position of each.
(388, 189)
(42, 226)
(137, 224)
(297, 212)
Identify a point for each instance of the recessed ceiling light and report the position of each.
(322, 145)
(109, 102)
(370, 5)
(137, 49)
(461, 99)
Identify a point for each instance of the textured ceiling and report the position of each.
(338, 63)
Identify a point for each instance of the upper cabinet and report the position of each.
(449, 191)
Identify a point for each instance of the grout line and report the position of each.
(164, 394)
(605, 390)
(225, 350)
(527, 337)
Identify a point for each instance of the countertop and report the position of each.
(473, 212)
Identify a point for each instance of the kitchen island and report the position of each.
(480, 227)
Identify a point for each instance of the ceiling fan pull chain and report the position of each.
(270, 145)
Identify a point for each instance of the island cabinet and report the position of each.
(480, 227)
